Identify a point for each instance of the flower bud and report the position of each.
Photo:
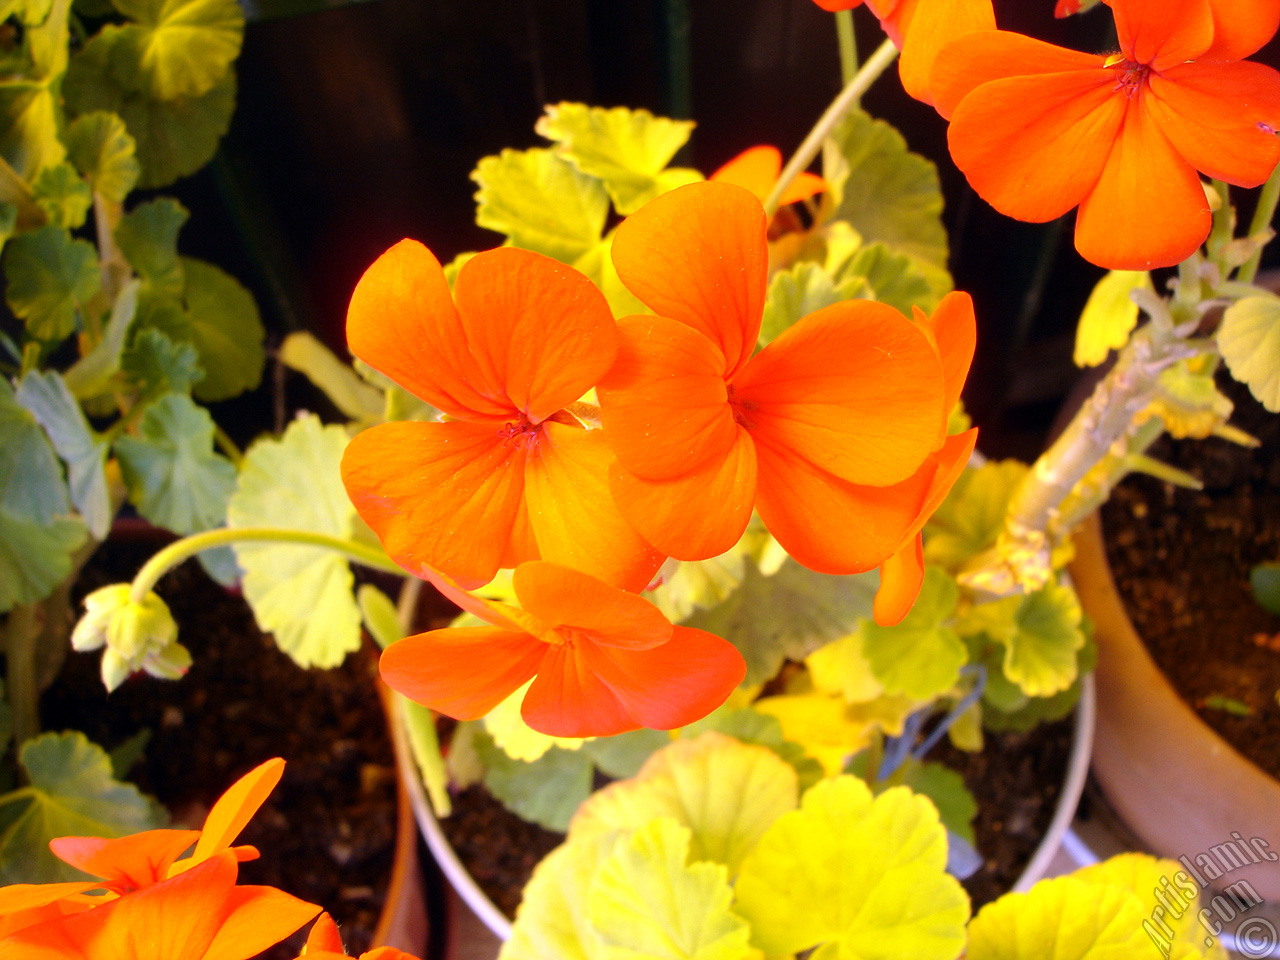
(138, 635)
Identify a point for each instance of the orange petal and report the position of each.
(671, 685)
(572, 512)
(986, 55)
(1147, 209)
(934, 24)
(324, 936)
(1220, 117)
(855, 388)
(537, 327)
(126, 863)
(1033, 147)
(894, 16)
(236, 808)
(26, 904)
(698, 255)
(664, 405)
(900, 579)
(955, 331)
(463, 672)
(442, 495)
(757, 168)
(1163, 32)
(386, 953)
(402, 322)
(258, 917)
(1241, 27)
(831, 6)
(567, 699)
(560, 597)
(695, 516)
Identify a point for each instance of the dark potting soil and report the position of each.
(1181, 560)
(1016, 780)
(326, 833)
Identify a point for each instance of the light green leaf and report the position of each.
(35, 555)
(400, 403)
(799, 291)
(148, 238)
(647, 901)
(62, 195)
(1249, 339)
(226, 330)
(51, 277)
(624, 754)
(945, 788)
(420, 725)
(971, 518)
(545, 791)
(155, 362)
(173, 475)
(31, 484)
(597, 265)
(91, 375)
(103, 151)
(47, 40)
(891, 277)
(627, 149)
(340, 383)
(787, 615)
(1109, 316)
(689, 585)
(750, 725)
(379, 615)
(517, 739)
(72, 794)
(540, 202)
(1041, 655)
(46, 396)
(1187, 399)
(855, 877)
(921, 656)
(726, 792)
(177, 48)
(301, 594)
(29, 127)
(1007, 708)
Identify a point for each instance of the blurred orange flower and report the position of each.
(511, 475)
(757, 168)
(1039, 129)
(602, 660)
(325, 943)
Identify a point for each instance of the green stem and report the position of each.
(22, 632)
(1220, 235)
(848, 46)
(842, 104)
(188, 547)
(227, 445)
(1262, 215)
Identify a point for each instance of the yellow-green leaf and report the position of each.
(177, 48)
(689, 585)
(101, 148)
(893, 277)
(226, 330)
(842, 667)
(920, 657)
(29, 127)
(854, 876)
(35, 555)
(1041, 655)
(1249, 339)
(1109, 316)
(63, 196)
(50, 278)
(517, 739)
(799, 291)
(349, 392)
(971, 518)
(628, 149)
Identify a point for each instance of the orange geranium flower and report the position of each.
(511, 475)
(200, 914)
(325, 943)
(835, 432)
(602, 660)
(757, 168)
(1039, 129)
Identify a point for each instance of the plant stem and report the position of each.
(848, 46)
(188, 547)
(1262, 215)
(22, 631)
(227, 445)
(870, 71)
(1220, 234)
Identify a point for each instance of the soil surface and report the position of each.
(1016, 780)
(326, 833)
(1181, 560)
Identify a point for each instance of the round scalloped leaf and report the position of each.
(29, 129)
(1109, 316)
(1040, 656)
(50, 278)
(854, 876)
(647, 902)
(101, 148)
(545, 791)
(63, 196)
(148, 238)
(31, 484)
(301, 594)
(177, 48)
(35, 555)
(226, 330)
(726, 792)
(1249, 339)
(922, 655)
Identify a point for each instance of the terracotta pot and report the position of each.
(1180, 787)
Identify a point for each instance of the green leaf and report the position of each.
(72, 794)
(1040, 656)
(1249, 339)
(379, 615)
(922, 655)
(971, 518)
(62, 195)
(727, 793)
(1109, 316)
(6, 721)
(647, 901)
(8, 222)
(624, 754)
(1007, 708)
(888, 194)
(46, 396)
(51, 277)
(301, 594)
(177, 48)
(750, 725)
(799, 291)
(29, 127)
(540, 202)
(102, 150)
(341, 384)
(855, 877)
(148, 238)
(155, 362)
(35, 555)
(173, 475)
(689, 585)
(787, 615)
(597, 265)
(31, 484)
(420, 726)
(92, 375)
(545, 791)
(226, 329)
(627, 149)
(1265, 581)
(891, 277)
(945, 788)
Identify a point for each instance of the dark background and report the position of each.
(359, 125)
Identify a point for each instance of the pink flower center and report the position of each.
(742, 410)
(1131, 76)
(520, 433)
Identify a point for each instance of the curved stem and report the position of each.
(870, 71)
(848, 45)
(1262, 215)
(188, 547)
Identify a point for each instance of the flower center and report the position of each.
(1130, 75)
(519, 433)
(742, 409)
